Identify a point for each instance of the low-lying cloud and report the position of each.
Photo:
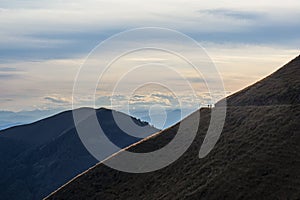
(235, 14)
(57, 100)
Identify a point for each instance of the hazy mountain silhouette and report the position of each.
(256, 157)
(9, 119)
(172, 116)
(38, 158)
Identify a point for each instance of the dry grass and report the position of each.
(257, 157)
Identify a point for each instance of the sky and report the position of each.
(44, 43)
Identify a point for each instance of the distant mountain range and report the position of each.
(172, 117)
(256, 157)
(38, 158)
(9, 119)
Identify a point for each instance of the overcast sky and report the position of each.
(44, 43)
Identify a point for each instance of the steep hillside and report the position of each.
(38, 158)
(256, 157)
(280, 88)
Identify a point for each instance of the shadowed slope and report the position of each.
(38, 158)
(256, 157)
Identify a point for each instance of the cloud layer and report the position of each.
(44, 43)
(56, 29)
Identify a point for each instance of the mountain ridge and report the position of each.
(39, 157)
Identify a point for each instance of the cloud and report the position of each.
(153, 99)
(50, 31)
(58, 100)
(9, 73)
(235, 14)
(6, 99)
(46, 31)
(8, 69)
(8, 76)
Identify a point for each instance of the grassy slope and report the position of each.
(253, 158)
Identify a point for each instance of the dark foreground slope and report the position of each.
(38, 158)
(256, 157)
(280, 88)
